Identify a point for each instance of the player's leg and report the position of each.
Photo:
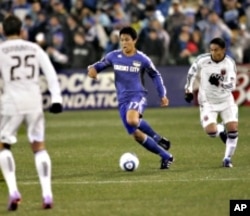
(130, 114)
(8, 128)
(222, 132)
(147, 129)
(35, 124)
(208, 118)
(130, 117)
(230, 117)
(139, 104)
(149, 143)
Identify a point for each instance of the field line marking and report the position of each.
(133, 181)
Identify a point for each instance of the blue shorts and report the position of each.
(138, 103)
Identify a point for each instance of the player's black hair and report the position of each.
(12, 25)
(219, 41)
(130, 31)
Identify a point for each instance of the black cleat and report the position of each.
(164, 143)
(165, 164)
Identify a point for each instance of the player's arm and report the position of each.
(230, 83)
(99, 66)
(158, 82)
(191, 76)
(52, 80)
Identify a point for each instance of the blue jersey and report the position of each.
(129, 72)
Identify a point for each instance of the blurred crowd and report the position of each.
(76, 33)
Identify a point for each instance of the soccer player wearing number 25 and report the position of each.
(217, 73)
(129, 66)
(21, 101)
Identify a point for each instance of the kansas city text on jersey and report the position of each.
(126, 68)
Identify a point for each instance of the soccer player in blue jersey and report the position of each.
(129, 66)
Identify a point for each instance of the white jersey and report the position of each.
(20, 64)
(203, 68)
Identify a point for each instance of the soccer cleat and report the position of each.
(164, 143)
(165, 163)
(47, 202)
(227, 163)
(14, 201)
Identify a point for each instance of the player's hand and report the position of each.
(214, 79)
(56, 108)
(164, 101)
(92, 73)
(189, 97)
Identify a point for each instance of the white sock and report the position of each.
(43, 167)
(220, 128)
(8, 167)
(230, 147)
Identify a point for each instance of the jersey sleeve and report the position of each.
(50, 74)
(157, 78)
(104, 63)
(191, 76)
(229, 84)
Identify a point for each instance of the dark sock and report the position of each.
(146, 128)
(152, 146)
(223, 136)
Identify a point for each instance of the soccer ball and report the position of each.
(129, 161)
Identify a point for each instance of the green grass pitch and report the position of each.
(85, 147)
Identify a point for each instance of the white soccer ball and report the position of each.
(129, 162)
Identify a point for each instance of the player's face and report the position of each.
(217, 52)
(127, 44)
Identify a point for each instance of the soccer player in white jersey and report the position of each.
(217, 73)
(21, 101)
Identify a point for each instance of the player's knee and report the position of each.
(212, 134)
(5, 146)
(37, 146)
(211, 130)
(133, 122)
(232, 134)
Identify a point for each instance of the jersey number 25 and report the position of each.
(19, 63)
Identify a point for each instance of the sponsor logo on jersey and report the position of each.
(136, 63)
(121, 67)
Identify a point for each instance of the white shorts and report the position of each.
(34, 123)
(228, 111)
